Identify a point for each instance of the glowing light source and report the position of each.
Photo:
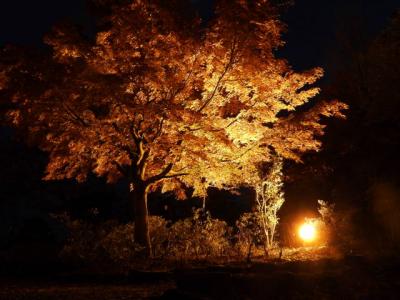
(307, 232)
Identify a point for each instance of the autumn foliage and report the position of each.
(164, 100)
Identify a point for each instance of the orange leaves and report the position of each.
(232, 108)
(150, 92)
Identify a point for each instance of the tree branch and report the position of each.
(143, 158)
(74, 115)
(159, 130)
(176, 175)
(134, 157)
(136, 139)
(161, 175)
(242, 154)
(226, 69)
(121, 168)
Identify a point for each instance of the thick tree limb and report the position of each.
(132, 154)
(143, 159)
(161, 175)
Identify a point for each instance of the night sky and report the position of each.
(312, 24)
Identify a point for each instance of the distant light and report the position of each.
(307, 232)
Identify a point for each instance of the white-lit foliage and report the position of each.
(270, 197)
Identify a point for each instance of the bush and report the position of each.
(250, 235)
(197, 237)
(118, 244)
(336, 226)
(159, 235)
(84, 244)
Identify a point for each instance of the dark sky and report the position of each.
(26, 21)
(313, 24)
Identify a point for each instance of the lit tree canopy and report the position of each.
(165, 100)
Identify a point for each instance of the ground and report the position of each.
(350, 277)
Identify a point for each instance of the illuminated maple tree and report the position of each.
(166, 100)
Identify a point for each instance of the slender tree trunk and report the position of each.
(249, 253)
(141, 231)
(266, 250)
(273, 232)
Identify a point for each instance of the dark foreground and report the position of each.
(350, 278)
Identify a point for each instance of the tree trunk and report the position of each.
(141, 231)
(266, 250)
(273, 232)
(249, 253)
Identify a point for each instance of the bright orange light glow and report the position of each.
(307, 232)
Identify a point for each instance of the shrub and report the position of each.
(336, 226)
(250, 234)
(159, 235)
(119, 244)
(327, 223)
(84, 244)
(199, 236)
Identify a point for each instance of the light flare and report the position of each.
(307, 232)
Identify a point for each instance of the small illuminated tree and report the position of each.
(164, 101)
(270, 197)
